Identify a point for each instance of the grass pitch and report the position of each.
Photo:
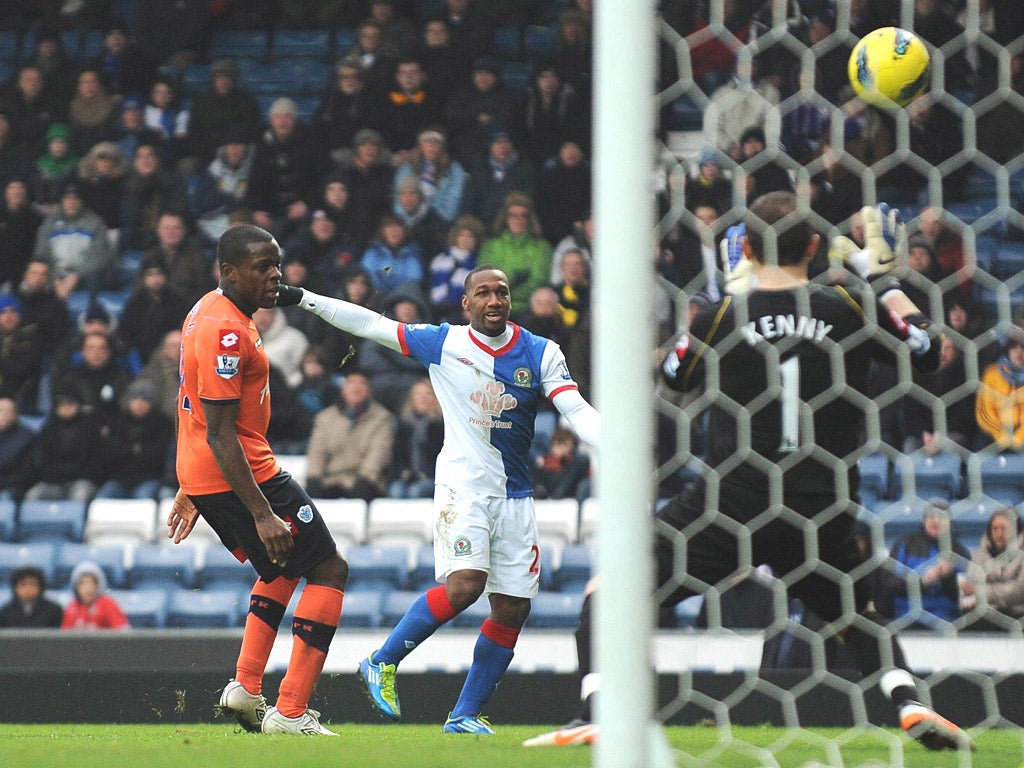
(421, 746)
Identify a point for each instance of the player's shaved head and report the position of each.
(476, 271)
(792, 238)
(235, 245)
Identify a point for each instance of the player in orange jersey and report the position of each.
(228, 474)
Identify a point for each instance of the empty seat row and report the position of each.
(943, 475)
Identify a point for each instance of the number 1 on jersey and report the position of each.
(789, 373)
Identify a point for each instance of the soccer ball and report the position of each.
(889, 67)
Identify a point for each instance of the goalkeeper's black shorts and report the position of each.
(235, 526)
(776, 538)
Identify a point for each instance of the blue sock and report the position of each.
(419, 623)
(490, 660)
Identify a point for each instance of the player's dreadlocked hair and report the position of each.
(792, 237)
(233, 246)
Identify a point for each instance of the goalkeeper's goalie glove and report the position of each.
(288, 295)
(738, 269)
(885, 243)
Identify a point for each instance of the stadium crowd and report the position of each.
(391, 146)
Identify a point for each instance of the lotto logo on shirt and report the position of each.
(228, 340)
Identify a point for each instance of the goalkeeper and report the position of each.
(788, 351)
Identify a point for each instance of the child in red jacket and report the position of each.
(91, 608)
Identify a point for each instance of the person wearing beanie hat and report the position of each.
(441, 180)
(54, 168)
(153, 308)
(552, 113)
(345, 107)
(709, 186)
(500, 171)
(29, 608)
(90, 607)
(223, 114)
(136, 451)
(471, 110)
(287, 167)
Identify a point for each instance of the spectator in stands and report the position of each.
(286, 170)
(562, 472)
(132, 129)
(283, 344)
(543, 317)
(573, 50)
(74, 239)
(573, 289)
(552, 114)
(391, 372)
(690, 259)
(161, 372)
(709, 186)
(392, 259)
(936, 555)
(422, 222)
(368, 175)
(441, 179)
(448, 269)
(735, 108)
(188, 272)
(165, 114)
(344, 107)
(334, 200)
(446, 67)
(225, 112)
(770, 177)
(472, 112)
(20, 353)
(518, 249)
(356, 288)
(42, 308)
(999, 407)
(579, 239)
(95, 319)
(316, 390)
(963, 315)
(322, 250)
(30, 108)
(54, 168)
(15, 158)
(19, 223)
(418, 438)
(153, 308)
(136, 450)
(563, 192)
(90, 607)
(93, 112)
(996, 570)
(946, 242)
(176, 34)
(350, 445)
(378, 64)
(495, 176)
(944, 386)
(100, 179)
(98, 375)
(150, 190)
(28, 607)
(398, 33)
(468, 27)
(406, 109)
(64, 466)
(57, 70)
(223, 184)
(17, 445)
(121, 63)
(923, 274)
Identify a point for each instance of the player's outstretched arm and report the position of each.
(344, 315)
(581, 415)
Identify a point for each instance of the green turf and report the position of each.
(413, 746)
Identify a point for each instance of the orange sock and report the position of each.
(316, 619)
(267, 605)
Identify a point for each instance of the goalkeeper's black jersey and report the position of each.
(796, 361)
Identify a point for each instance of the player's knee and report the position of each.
(464, 588)
(332, 572)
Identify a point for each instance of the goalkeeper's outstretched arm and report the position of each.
(344, 315)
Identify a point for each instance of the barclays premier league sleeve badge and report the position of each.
(228, 356)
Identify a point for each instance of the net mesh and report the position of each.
(953, 162)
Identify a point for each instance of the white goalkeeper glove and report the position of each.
(885, 242)
(738, 269)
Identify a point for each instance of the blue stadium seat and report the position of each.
(362, 608)
(109, 557)
(8, 519)
(987, 247)
(344, 39)
(40, 554)
(970, 516)
(302, 42)
(396, 603)
(372, 566)
(10, 44)
(507, 42)
(516, 74)
(1009, 259)
(575, 569)
(228, 43)
(874, 479)
(195, 78)
(92, 44)
(309, 76)
(145, 608)
(538, 41)
(308, 106)
(901, 517)
(429, 9)
(212, 609)
(114, 301)
(1002, 478)
(71, 43)
(421, 577)
(163, 566)
(269, 80)
(687, 611)
(221, 570)
(937, 475)
(63, 520)
(555, 610)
